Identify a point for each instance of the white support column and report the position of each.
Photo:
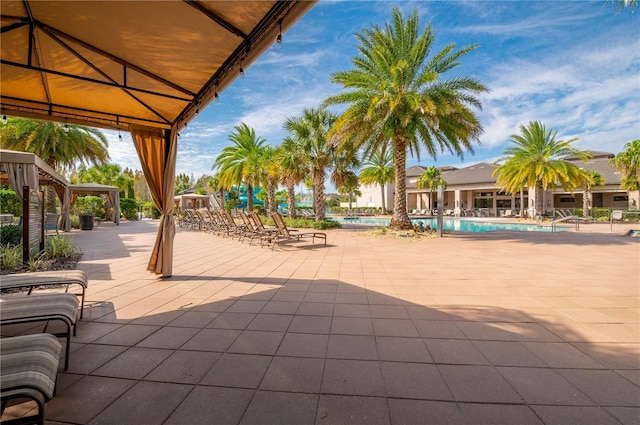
(458, 203)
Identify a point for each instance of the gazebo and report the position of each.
(147, 67)
(110, 193)
(19, 169)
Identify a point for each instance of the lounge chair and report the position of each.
(48, 280)
(62, 307)
(284, 233)
(259, 228)
(28, 370)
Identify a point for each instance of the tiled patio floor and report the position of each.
(493, 328)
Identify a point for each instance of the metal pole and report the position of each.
(440, 220)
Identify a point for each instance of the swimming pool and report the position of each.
(457, 224)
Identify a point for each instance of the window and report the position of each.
(503, 203)
(567, 200)
(483, 194)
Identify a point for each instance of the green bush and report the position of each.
(10, 256)
(10, 234)
(151, 210)
(304, 223)
(90, 204)
(230, 204)
(9, 202)
(129, 208)
(59, 247)
(75, 221)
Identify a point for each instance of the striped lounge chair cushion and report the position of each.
(29, 361)
(61, 277)
(28, 308)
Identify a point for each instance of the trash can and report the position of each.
(86, 221)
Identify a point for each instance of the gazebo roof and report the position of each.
(46, 174)
(116, 64)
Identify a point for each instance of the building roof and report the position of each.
(478, 173)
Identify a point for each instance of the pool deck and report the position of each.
(485, 328)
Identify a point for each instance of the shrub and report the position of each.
(9, 202)
(230, 204)
(10, 256)
(38, 262)
(59, 247)
(129, 208)
(75, 221)
(90, 204)
(10, 234)
(151, 210)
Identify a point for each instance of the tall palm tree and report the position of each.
(270, 172)
(398, 98)
(378, 169)
(627, 163)
(310, 131)
(590, 179)
(348, 185)
(431, 179)
(293, 170)
(61, 146)
(239, 162)
(536, 161)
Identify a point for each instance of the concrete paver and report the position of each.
(501, 327)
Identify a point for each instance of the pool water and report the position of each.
(458, 224)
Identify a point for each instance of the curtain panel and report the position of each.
(157, 150)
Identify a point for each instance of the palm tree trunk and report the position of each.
(318, 193)
(291, 193)
(50, 199)
(249, 197)
(271, 188)
(400, 219)
(539, 200)
(384, 210)
(586, 201)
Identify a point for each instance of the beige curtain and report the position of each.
(22, 175)
(157, 151)
(115, 201)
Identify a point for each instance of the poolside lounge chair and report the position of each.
(62, 307)
(285, 233)
(47, 280)
(259, 229)
(28, 371)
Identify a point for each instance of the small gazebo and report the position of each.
(110, 193)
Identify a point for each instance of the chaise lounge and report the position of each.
(28, 370)
(284, 233)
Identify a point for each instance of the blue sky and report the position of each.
(573, 65)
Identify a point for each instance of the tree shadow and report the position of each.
(315, 351)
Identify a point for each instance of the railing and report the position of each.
(565, 218)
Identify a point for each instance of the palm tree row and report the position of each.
(398, 102)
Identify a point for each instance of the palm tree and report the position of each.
(536, 161)
(344, 176)
(431, 179)
(627, 163)
(399, 99)
(270, 167)
(310, 131)
(60, 145)
(239, 162)
(293, 170)
(590, 178)
(349, 186)
(378, 169)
